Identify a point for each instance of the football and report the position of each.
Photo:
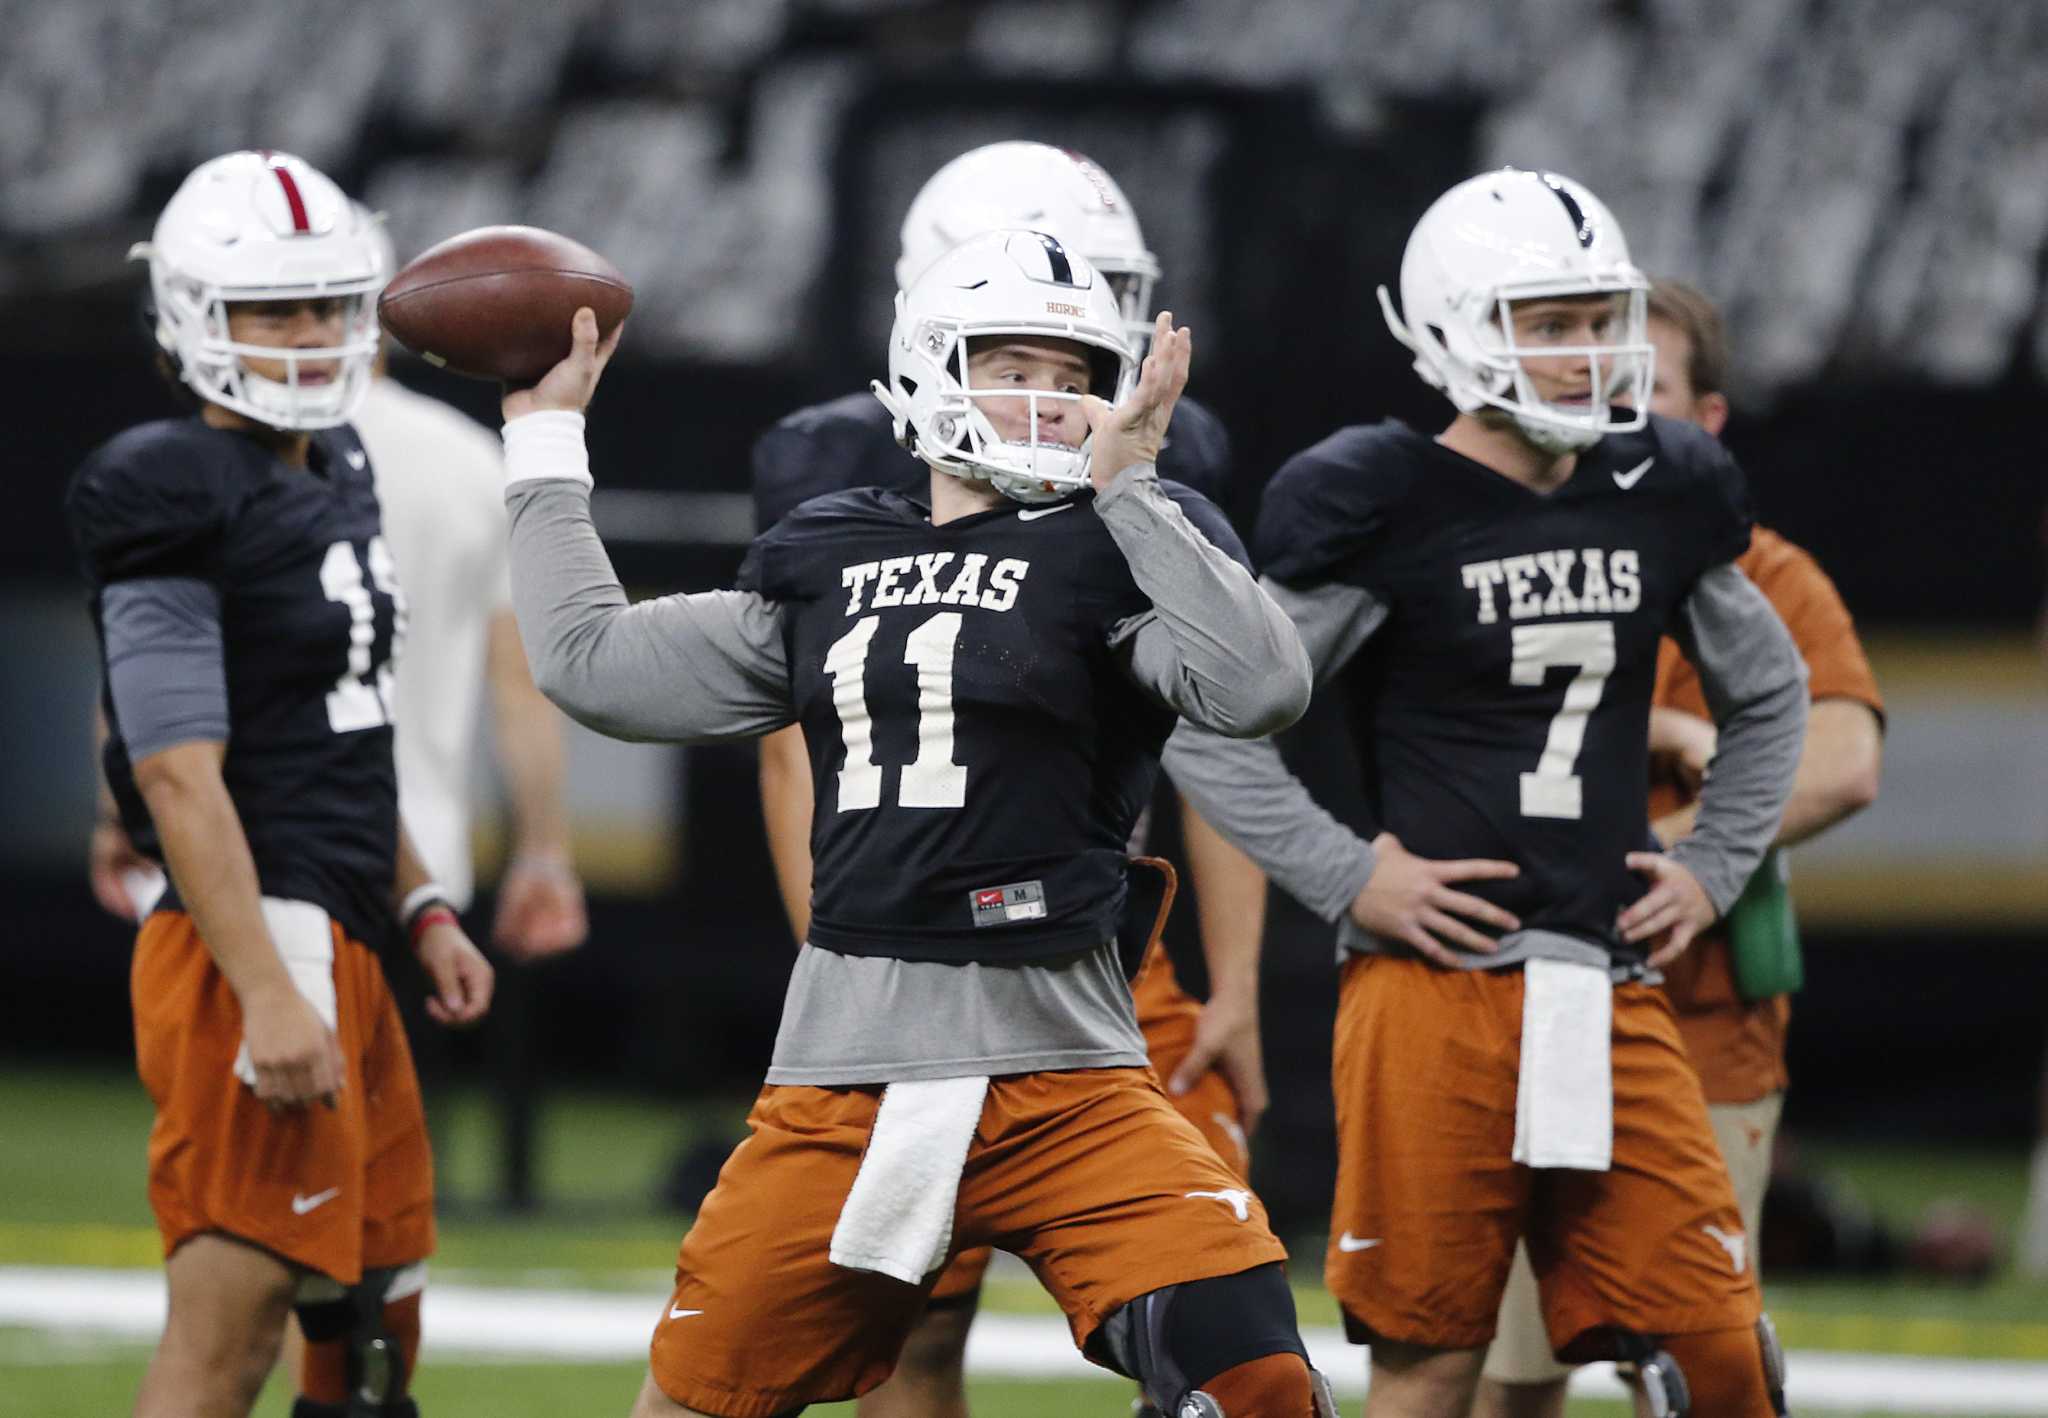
(495, 303)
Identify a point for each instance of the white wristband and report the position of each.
(546, 446)
(419, 896)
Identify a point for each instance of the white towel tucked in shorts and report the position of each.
(898, 1216)
(1564, 1100)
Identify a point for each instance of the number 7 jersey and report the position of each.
(1500, 707)
(980, 753)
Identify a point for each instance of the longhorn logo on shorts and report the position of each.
(1236, 1198)
(1735, 1243)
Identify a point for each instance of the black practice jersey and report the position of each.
(310, 617)
(979, 752)
(851, 442)
(1502, 708)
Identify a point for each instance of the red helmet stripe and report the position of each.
(300, 222)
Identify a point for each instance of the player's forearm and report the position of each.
(1755, 684)
(528, 734)
(1245, 792)
(786, 803)
(409, 870)
(1230, 904)
(1216, 647)
(683, 668)
(1839, 769)
(208, 856)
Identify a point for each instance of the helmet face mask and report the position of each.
(1036, 187)
(264, 227)
(1002, 283)
(1502, 239)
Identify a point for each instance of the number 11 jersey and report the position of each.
(980, 753)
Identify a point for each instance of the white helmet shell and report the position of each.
(999, 283)
(1035, 187)
(1513, 235)
(264, 226)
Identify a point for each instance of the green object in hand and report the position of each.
(1763, 934)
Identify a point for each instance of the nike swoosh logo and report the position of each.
(1634, 475)
(1348, 1242)
(676, 1314)
(303, 1204)
(358, 459)
(1033, 516)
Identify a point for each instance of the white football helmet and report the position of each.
(263, 226)
(1514, 235)
(1035, 187)
(999, 283)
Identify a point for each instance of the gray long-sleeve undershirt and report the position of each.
(1214, 647)
(712, 665)
(1755, 686)
(689, 668)
(166, 662)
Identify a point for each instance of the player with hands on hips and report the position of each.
(984, 674)
(1495, 596)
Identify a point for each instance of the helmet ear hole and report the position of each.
(1105, 370)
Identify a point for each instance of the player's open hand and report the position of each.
(1227, 1038)
(461, 977)
(294, 1055)
(1674, 910)
(1410, 898)
(570, 384)
(1135, 430)
(540, 909)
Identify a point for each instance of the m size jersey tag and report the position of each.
(1000, 905)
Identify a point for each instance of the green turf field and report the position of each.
(71, 1193)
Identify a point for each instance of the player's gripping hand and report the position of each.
(1412, 899)
(1135, 430)
(1227, 1038)
(293, 1053)
(1671, 913)
(570, 384)
(461, 977)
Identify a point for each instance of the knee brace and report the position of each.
(375, 1361)
(1734, 1371)
(1179, 1338)
(1774, 1363)
(1662, 1381)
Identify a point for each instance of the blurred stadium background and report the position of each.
(1863, 185)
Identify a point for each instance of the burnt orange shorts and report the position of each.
(1428, 1204)
(1090, 1176)
(1166, 1014)
(337, 1190)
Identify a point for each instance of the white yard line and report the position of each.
(513, 1324)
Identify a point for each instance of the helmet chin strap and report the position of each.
(1556, 438)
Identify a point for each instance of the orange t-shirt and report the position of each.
(1739, 1048)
